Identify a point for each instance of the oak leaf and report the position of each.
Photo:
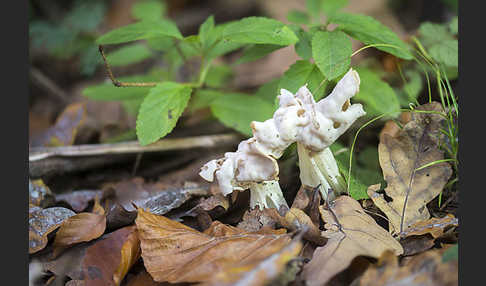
(175, 253)
(351, 233)
(409, 186)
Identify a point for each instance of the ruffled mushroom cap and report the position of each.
(298, 119)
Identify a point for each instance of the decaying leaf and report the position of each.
(434, 226)
(408, 189)
(257, 273)
(308, 200)
(417, 244)
(80, 228)
(39, 194)
(130, 252)
(351, 233)
(175, 253)
(426, 269)
(65, 129)
(255, 219)
(214, 201)
(44, 221)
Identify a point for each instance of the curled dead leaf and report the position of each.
(175, 253)
(410, 187)
(351, 233)
(434, 226)
(130, 253)
(82, 227)
(426, 269)
(44, 221)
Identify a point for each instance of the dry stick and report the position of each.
(39, 153)
(118, 83)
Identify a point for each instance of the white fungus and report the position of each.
(314, 126)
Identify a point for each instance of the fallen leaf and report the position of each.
(417, 244)
(104, 258)
(39, 194)
(391, 127)
(144, 279)
(130, 253)
(118, 217)
(65, 129)
(255, 219)
(78, 200)
(175, 253)
(351, 233)
(82, 227)
(426, 269)
(214, 201)
(257, 273)
(408, 189)
(308, 200)
(44, 221)
(434, 226)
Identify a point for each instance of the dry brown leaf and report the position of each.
(44, 221)
(409, 190)
(78, 200)
(80, 228)
(130, 253)
(255, 219)
(175, 253)
(65, 129)
(426, 269)
(214, 201)
(308, 200)
(351, 233)
(259, 273)
(417, 244)
(434, 226)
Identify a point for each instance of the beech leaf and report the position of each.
(400, 156)
(351, 233)
(175, 253)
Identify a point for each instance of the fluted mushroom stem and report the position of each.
(320, 169)
(267, 194)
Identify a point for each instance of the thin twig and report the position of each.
(118, 83)
(39, 153)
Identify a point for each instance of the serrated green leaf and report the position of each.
(218, 76)
(269, 91)
(303, 47)
(163, 43)
(330, 7)
(205, 31)
(255, 52)
(216, 45)
(332, 53)
(160, 111)
(108, 92)
(298, 17)
(149, 10)
(259, 30)
(301, 73)
(237, 111)
(370, 31)
(202, 98)
(146, 29)
(446, 52)
(376, 94)
(128, 55)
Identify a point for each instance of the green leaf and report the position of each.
(218, 76)
(303, 47)
(237, 111)
(146, 29)
(313, 7)
(301, 73)
(369, 31)
(412, 87)
(160, 111)
(255, 52)
(452, 253)
(376, 94)
(454, 26)
(432, 33)
(205, 31)
(330, 7)
(109, 92)
(298, 17)
(269, 91)
(215, 43)
(446, 53)
(149, 10)
(259, 30)
(332, 53)
(128, 55)
(163, 43)
(202, 98)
